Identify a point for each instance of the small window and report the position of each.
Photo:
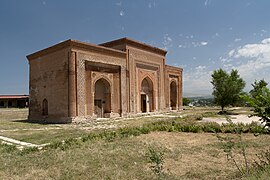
(45, 107)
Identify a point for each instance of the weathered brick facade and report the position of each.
(74, 80)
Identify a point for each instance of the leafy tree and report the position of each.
(257, 88)
(259, 99)
(227, 87)
(186, 101)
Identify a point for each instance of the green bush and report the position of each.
(29, 150)
(155, 156)
(7, 148)
(211, 127)
(176, 125)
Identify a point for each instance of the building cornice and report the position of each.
(134, 43)
(173, 68)
(74, 44)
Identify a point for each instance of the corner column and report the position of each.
(123, 90)
(72, 104)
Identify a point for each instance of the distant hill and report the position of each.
(195, 95)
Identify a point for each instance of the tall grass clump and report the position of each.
(155, 156)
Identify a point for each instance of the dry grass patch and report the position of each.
(201, 155)
(186, 156)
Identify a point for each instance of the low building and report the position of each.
(74, 80)
(14, 101)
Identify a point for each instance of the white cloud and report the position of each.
(204, 43)
(197, 80)
(167, 41)
(199, 44)
(251, 60)
(225, 60)
(200, 68)
(231, 53)
(237, 39)
(44, 3)
(254, 50)
(266, 41)
(122, 13)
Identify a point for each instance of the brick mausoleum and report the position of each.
(73, 81)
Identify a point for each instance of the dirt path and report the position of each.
(235, 119)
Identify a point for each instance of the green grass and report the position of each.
(186, 156)
(93, 160)
(259, 174)
(121, 153)
(44, 136)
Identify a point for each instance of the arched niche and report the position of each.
(147, 95)
(102, 97)
(173, 95)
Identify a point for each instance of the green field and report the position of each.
(119, 149)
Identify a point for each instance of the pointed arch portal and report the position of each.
(147, 95)
(102, 99)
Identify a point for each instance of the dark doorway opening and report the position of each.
(173, 95)
(98, 108)
(147, 97)
(143, 103)
(102, 99)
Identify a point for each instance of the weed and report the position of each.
(29, 150)
(7, 148)
(199, 117)
(229, 145)
(63, 145)
(155, 156)
(263, 160)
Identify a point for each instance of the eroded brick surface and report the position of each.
(74, 80)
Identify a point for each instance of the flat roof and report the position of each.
(14, 96)
(77, 44)
(134, 43)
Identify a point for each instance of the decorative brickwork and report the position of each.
(132, 78)
(81, 95)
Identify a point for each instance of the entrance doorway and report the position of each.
(143, 103)
(147, 95)
(173, 95)
(102, 99)
(98, 108)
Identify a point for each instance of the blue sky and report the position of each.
(199, 35)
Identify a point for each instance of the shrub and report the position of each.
(7, 148)
(29, 150)
(211, 127)
(263, 160)
(155, 156)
